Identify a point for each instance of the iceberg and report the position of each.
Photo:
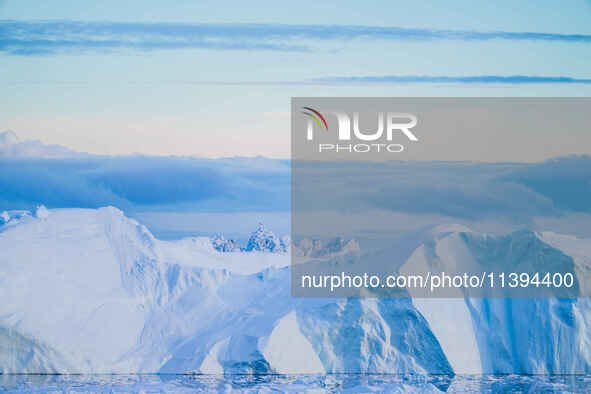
(263, 240)
(93, 291)
(221, 244)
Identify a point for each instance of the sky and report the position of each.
(211, 79)
(136, 84)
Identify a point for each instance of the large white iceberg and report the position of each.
(85, 290)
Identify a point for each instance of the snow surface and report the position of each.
(92, 291)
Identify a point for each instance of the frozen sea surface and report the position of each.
(353, 383)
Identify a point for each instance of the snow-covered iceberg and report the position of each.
(264, 240)
(87, 290)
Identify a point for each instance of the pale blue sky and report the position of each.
(153, 90)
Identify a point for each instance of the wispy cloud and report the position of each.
(400, 79)
(473, 79)
(369, 80)
(51, 37)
